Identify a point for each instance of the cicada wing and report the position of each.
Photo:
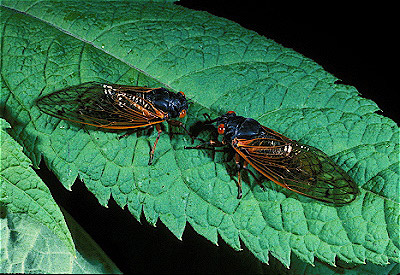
(300, 168)
(125, 88)
(102, 105)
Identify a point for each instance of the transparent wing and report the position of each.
(102, 105)
(300, 168)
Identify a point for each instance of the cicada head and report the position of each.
(182, 104)
(175, 104)
(227, 125)
(233, 126)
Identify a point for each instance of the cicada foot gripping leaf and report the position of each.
(114, 106)
(290, 164)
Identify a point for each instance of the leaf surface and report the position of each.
(30, 247)
(22, 191)
(220, 66)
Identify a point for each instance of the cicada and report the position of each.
(114, 106)
(298, 167)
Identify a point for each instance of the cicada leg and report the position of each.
(204, 145)
(134, 130)
(244, 166)
(159, 131)
(177, 123)
(239, 182)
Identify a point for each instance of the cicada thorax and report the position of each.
(114, 106)
(173, 104)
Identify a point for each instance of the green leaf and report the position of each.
(220, 66)
(30, 247)
(299, 267)
(22, 191)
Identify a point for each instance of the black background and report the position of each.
(356, 44)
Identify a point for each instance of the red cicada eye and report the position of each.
(221, 129)
(182, 114)
(231, 112)
(181, 93)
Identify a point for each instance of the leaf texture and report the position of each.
(22, 191)
(220, 66)
(30, 247)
